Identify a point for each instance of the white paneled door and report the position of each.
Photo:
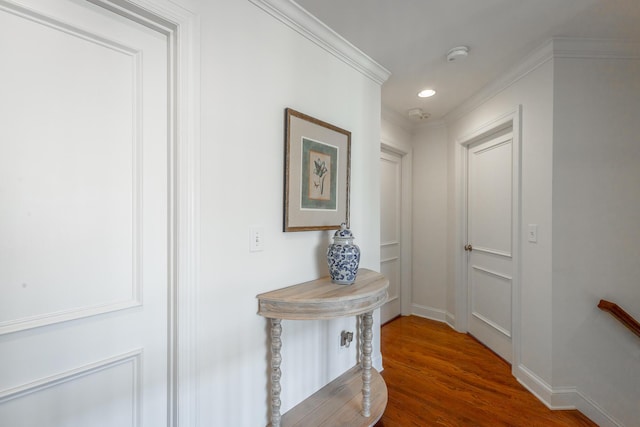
(391, 231)
(84, 218)
(489, 237)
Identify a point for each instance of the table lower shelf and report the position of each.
(339, 403)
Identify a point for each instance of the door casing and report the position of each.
(510, 119)
(180, 27)
(391, 234)
(405, 218)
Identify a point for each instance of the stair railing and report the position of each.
(625, 318)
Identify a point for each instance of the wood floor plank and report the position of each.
(438, 377)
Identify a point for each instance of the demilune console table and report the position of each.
(359, 396)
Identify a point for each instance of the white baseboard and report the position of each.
(536, 385)
(593, 411)
(562, 398)
(434, 314)
(571, 398)
(450, 319)
(429, 312)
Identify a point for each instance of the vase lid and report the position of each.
(344, 232)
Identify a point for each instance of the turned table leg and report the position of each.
(367, 322)
(276, 360)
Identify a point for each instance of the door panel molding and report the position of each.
(46, 319)
(133, 357)
(116, 380)
(492, 251)
(505, 140)
(129, 291)
(490, 152)
(491, 324)
(65, 27)
(496, 285)
(492, 273)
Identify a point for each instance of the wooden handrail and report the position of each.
(624, 317)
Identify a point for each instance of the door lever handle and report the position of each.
(468, 248)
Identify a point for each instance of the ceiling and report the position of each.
(411, 39)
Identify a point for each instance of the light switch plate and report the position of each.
(532, 234)
(256, 239)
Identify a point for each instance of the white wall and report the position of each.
(394, 132)
(430, 213)
(596, 205)
(254, 66)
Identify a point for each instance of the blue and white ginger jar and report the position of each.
(343, 257)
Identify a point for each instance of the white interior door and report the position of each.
(490, 258)
(390, 231)
(84, 223)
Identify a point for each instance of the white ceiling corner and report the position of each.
(506, 40)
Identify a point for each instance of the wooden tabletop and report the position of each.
(339, 403)
(321, 299)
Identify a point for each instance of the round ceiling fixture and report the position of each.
(457, 53)
(417, 113)
(426, 93)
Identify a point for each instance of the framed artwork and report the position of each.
(316, 176)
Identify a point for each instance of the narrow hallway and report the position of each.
(437, 376)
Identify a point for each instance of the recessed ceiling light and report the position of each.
(426, 93)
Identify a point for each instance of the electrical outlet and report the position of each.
(346, 338)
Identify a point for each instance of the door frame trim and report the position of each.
(511, 119)
(182, 29)
(406, 154)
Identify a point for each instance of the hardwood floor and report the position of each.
(439, 377)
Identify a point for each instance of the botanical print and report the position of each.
(319, 175)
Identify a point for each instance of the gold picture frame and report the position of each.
(316, 173)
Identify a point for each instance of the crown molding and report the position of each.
(530, 63)
(572, 48)
(595, 48)
(294, 16)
